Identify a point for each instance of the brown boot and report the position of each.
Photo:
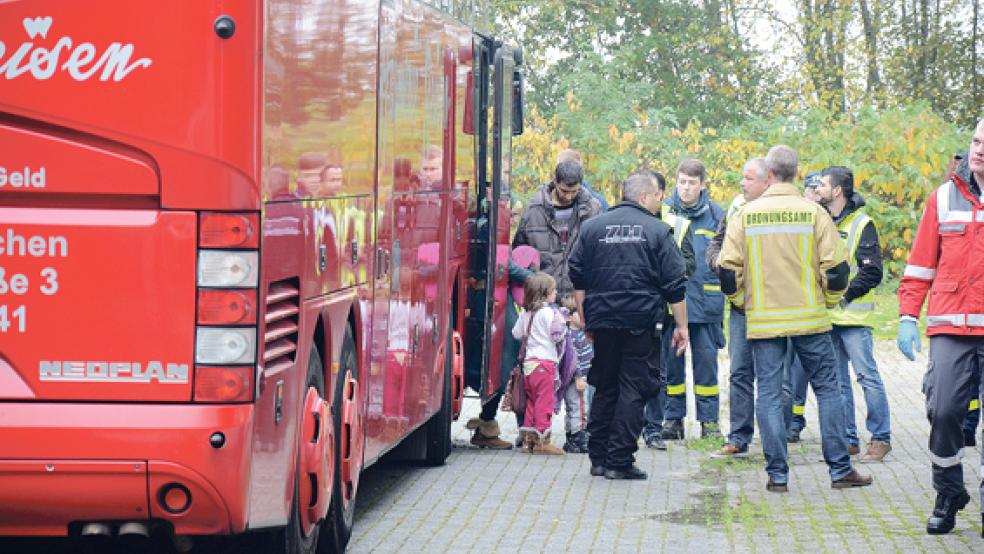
(876, 451)
(486, 434)
(852, 479)
(543, 446)
(528, 438)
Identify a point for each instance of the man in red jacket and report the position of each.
(947, 259)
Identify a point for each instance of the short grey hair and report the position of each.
(759, 163)
(636, 185)
(782, 162)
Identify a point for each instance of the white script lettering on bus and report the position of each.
(81, 60)
(22, 178)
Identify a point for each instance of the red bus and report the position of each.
(241, 243)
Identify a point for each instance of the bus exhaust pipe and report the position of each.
(96, 530)
(134, 529)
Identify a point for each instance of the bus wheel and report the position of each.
(349, 425)
(303, 529)
(439, 426)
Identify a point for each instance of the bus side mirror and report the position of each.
(517, 108)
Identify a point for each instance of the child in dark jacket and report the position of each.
(573, 391)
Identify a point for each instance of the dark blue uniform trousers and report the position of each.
(705, 341)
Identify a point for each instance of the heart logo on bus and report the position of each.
(37, 26)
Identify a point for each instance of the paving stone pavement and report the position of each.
(483, 501)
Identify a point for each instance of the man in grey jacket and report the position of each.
(552, 221)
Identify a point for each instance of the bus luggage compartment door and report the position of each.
(96, 304)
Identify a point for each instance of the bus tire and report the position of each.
(337, 528)
(439, 426)
(292, 540)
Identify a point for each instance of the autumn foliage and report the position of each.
(898, 155)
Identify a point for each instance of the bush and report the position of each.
(898, 155)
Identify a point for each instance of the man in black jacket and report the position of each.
(625, 268)
(855, 317)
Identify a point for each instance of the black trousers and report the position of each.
(624, 372)
(955, 364)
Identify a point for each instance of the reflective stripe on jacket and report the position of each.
(947, 259)
(860, 312)
(679, 224)
(705, 301)
(780, 247)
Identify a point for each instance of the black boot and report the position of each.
(672, 430)
(793, 435)
(630, 472)
(709, 429)
(582, 440)
(577, 443)
(654, 441)
(944, 516)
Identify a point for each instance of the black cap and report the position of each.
(812, 179)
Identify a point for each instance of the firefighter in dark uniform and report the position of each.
(626, 268)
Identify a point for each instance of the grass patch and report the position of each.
(712, 508)
(886, 316)
(706, 444)
(720, 466)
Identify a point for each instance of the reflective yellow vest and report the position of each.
(861, 311)
(679, 224)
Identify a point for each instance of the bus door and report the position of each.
(497, 276)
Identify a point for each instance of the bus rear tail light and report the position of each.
(229, 230)
(225, 345)
(223, 384)
(226, 306)
(227, 310)
(228, 268)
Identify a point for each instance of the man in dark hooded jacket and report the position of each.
(552, 222)
(853, 319)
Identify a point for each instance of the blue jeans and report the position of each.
(705, 341)
(794, 392)
(855, 345)
(817, 354)
(741, 382)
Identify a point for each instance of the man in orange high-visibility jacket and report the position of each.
(947, 259)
